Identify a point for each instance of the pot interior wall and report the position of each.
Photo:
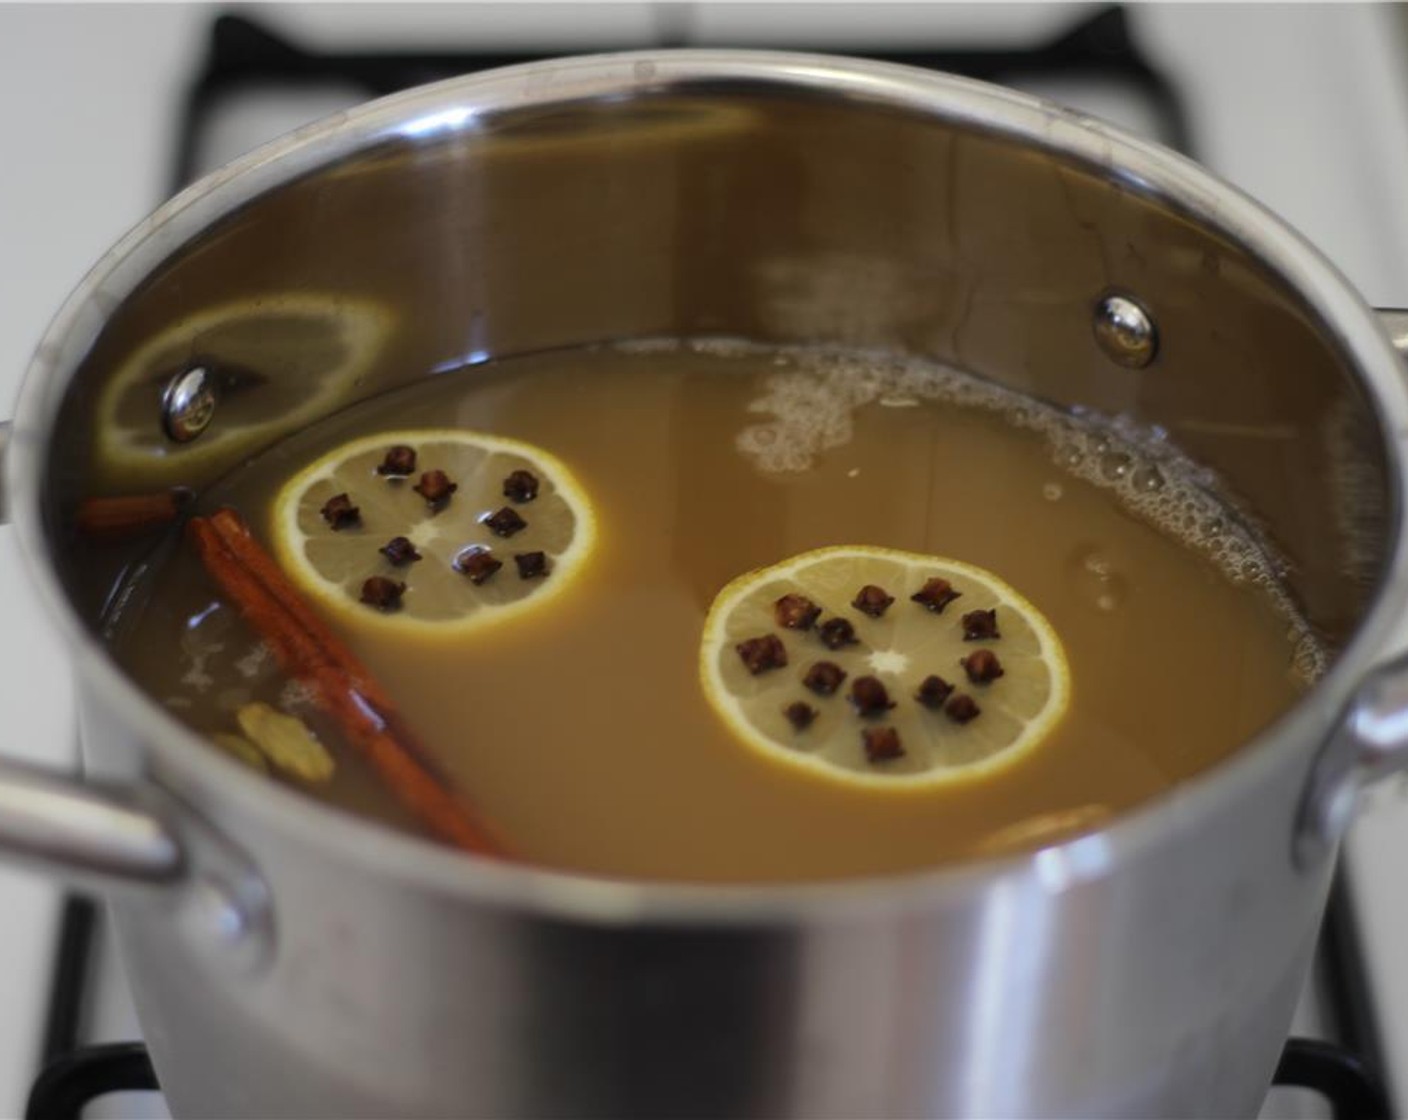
(765, 212)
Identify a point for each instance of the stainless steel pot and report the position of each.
(290, 960)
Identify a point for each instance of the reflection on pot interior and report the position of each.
(511, 607)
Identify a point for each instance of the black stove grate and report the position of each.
(243, 55)
(73, 1081)
(70, 1083)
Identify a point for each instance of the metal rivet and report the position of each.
(1126, 332)
(188, 403)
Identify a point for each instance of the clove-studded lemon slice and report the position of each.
(276, 361)
(433, 529)
(881, 667)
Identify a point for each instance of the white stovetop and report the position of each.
(1304, 107)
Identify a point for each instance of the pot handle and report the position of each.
(99, 837)
(1394, 321)
(88, 833)
(103, 837)
(1369, 741)
(1370, 738)
(91, 834)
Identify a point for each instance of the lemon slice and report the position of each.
(279, 361)
(827, 662)
(487, 551)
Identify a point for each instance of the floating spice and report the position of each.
(869, 698)
(505, 522)
(478, 564)
(400, 461)
(795, 612)
(322, 667)
(761, 654)
(117, 519)
(242, 749)
(800, 715)
(935, 595)
(339, 512)
(400, 551)
(521, 486)
(836, 633)
(382, 593)
(871, 600)
(980, 625)
(933, 691)
(962, 708)
(435, 487)
(882, 744)
(531, 565)
(982, 666)
(286, 742)
(824, 678)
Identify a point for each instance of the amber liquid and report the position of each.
(582, 729)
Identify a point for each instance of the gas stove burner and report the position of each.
(70, 1083)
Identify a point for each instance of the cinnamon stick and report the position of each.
(308, 650)
(116, 519)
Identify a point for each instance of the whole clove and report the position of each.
(435, 487)
(836, 633)
(869, 698)
(935, 595)
(505, 523)
(882, 744)
(980, 625)
(382, 593)
(521, 486)
(982, 666)
(478, 564)
(531, 565)
(762, 654)
(933, 691)
(795, 612)
(400, 461)
(400, 551)
(962, 708)
(800, 715)
(824, 678)
(339, 512)
(871, 600)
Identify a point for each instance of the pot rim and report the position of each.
(455, 105)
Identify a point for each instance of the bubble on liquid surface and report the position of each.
(1052, 491)
(1096, 580)
(1114, 465)
(1147, 479)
